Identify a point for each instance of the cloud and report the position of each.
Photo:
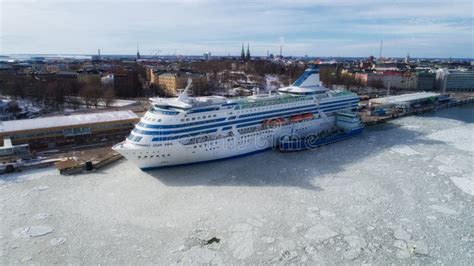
(324, 28)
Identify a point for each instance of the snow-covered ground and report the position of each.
(400, 193)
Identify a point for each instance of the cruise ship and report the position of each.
(186, 130)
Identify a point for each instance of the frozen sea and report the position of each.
(400, 193)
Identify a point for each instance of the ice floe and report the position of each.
(32, 231)
(41, 216)
(319, 233)
(57, 241)
(404, 150)
(241, 241)
(465, 183)
(460, 137)
(401, 234)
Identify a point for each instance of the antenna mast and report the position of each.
(380, 53)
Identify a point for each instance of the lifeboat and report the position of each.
(274, 122)
(308, 116)
(296, 118)
(301, 117)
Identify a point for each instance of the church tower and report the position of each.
(247, 56)
(138, 53)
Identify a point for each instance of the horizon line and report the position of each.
(197, 55)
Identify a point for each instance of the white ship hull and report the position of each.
(229, 147)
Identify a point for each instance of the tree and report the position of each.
(75, 102)
(91, 96)
(55, 94)
(108, 96)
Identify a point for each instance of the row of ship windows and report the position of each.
(210, 149)
(153, 156)
(151, 119)
(299, 129)
(197, 118)
(205, 145)
(256, 134)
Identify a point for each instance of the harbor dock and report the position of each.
(369, 120)
(86, 161)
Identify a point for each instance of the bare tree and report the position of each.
(91, 96)
(75, 102)
(108, 96)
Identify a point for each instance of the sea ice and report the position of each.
(41, 216)
(40, 188)
(465, 183)
(32, 231)
(355, 242)
(420, 247)
(404, 150)
(202, 255)
(267, 239)
(351, 254)
(327, 214)
(319, 233)
(460, 137)
(449, 169)
(400, 244)
(443, 209)
(401, 234)
(403, 254)
(241, 241)
(57, 241)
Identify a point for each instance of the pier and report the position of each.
(369, 120)
(87, 161)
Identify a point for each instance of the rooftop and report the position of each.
(404, 98)
(64, 121)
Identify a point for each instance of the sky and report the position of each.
(426, 28)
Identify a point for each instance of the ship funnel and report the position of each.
(309, 78)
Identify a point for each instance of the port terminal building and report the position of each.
(404, 102)
(71, 130)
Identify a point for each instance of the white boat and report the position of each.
(185, 130)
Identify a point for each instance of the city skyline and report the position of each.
(313, 28)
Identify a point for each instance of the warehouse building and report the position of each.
(404, 102)
(405, 99)
(72, 130)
